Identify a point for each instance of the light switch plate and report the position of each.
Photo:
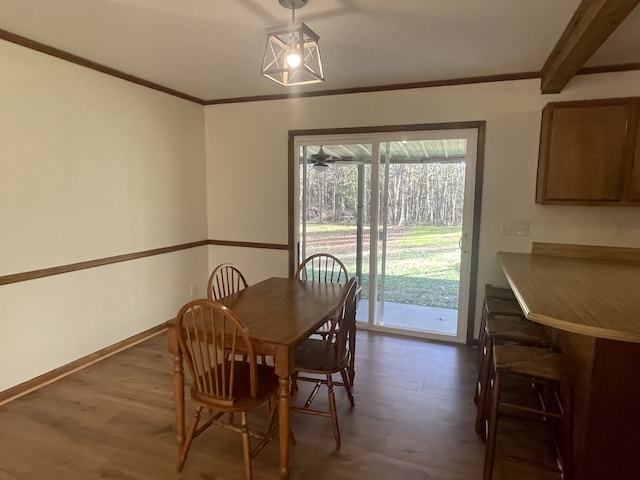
(520, 229)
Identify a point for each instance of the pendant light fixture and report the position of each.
(292, 54)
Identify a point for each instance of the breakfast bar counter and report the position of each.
(595, 297)
(590, 296)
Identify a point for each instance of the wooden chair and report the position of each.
(225, 279)
(542, 374)
(496, 305)
(501, 330)
(322, 267)
(327, 356)
(212, 339)
(502, 322)
(501, 293)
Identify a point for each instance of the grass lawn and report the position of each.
(423, 263)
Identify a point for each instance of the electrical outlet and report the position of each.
(193, 289)
(520, 229)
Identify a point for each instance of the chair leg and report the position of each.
(246, 445)
(274, 405)
(352, 355)
(334, 410)
(347, 385)
(189, 438)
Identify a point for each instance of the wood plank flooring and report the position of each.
(413, 420)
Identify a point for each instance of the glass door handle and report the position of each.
(462, 244)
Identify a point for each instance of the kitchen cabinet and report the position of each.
(590, 153)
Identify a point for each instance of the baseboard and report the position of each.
(60, 372)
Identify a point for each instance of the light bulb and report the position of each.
(293, 60)
(320, 167)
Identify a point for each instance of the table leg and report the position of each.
(284, 404)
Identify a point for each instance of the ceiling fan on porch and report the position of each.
(321, 160)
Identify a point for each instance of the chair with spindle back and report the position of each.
(316, 360)
(224, 280)
(324, 267)
(212, 339)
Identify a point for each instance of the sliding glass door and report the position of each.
(397, 208)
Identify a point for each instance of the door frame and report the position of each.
(293, 181)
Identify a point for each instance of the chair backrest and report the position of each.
(211, 337)
(225, 280)
(322, 267)
(340, 324)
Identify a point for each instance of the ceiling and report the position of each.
(211, 49)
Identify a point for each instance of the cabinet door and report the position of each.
(582, 155)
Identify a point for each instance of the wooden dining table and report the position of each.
(280, 313)
(590, 297)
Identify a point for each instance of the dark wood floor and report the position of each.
(413, 420)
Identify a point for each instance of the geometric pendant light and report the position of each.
(292, 54)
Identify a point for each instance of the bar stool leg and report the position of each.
(483, 387)
(492, 424)
(567, 432)
(482, 332)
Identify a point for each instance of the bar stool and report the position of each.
(500, 293)
(504, 330)
(496, 305)
(544, 375)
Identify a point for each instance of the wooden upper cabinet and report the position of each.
(590, 153)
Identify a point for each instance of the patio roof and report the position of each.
(413, 151)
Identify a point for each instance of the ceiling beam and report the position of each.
(590, 26)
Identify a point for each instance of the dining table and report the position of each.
(280, 313)
(589, 296)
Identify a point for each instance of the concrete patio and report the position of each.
(442, 321)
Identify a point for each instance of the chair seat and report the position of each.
(499, 330)
(496, 306)
(511, 329)
(530, 362)
(310, 358)
(242, 399)
(491, 308)
(499, 293)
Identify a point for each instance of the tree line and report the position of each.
(428, 194)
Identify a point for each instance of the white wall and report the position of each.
(247, 160)
(91, 167)
(256, 264)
